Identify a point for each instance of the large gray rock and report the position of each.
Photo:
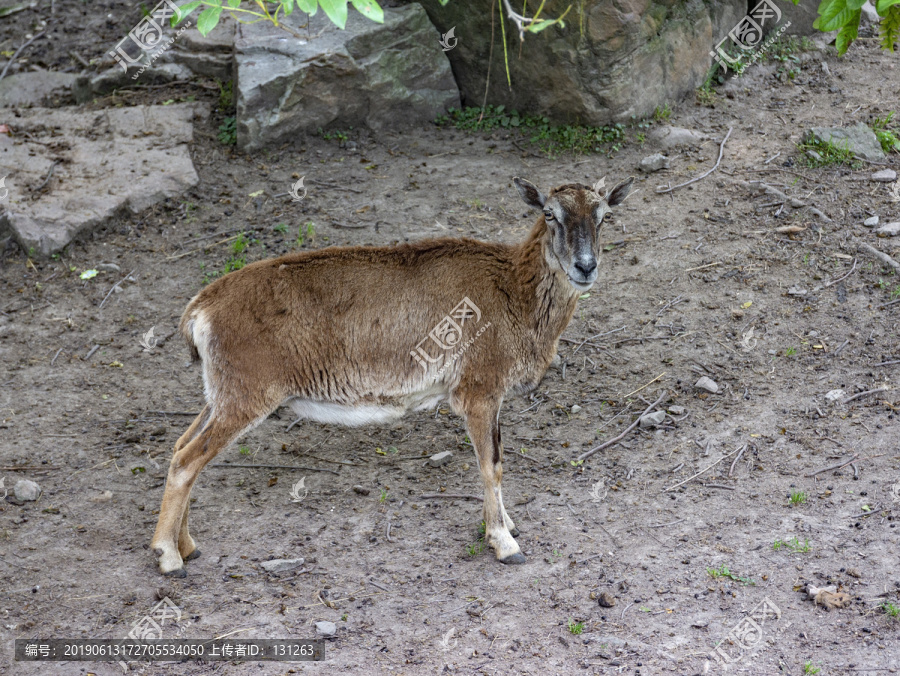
(379, 75)
(613, 59)
(32, 88)
(859, 139)
(89, 86)
(107, 161)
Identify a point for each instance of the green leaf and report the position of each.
(308, 6)
(336, 10)
(184, 12)
(287, 6)
(882, 6)
(855, 4)
(234, 4)
(369, 9)
(848, 33)
(208, 19)
(836, 15)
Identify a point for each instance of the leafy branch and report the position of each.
(844, 15)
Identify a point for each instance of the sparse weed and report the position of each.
(722, 571)
(281, 227)
(890, 610)
(888, 139)
(794, 545)
(384, 496)
(790, 352)
(226, 95)
(808, 668)
(244, 450)
(575, 628)
(551, 139)
(335, 135)
(662, 114)
(818, 153)
(228, 131)
(797, 498)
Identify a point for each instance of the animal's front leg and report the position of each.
(484, 431)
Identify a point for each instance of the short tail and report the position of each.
(186, 328)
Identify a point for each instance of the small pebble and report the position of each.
(677, 410)
(834, 396)
(440, 459)
(707, 384)
(653, 419)
(281, 565)
(889, 229)
(653, 163)
(607, 600)
(326, 629)
(885, 176)
(576, 408)
(360, 490)
(26, 490)
(871, 222)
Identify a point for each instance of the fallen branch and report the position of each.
(863, 394)
(306, 469)
(841, 279)
(451, 496)
(883, 257)
(47, 179)
(834, 467)
(735, 461)
(19, 51)
(681, 483)
(706, 173)
(588, 454)
(114, 287)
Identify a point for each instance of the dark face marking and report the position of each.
(574, 214)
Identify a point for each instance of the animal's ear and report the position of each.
(600, 187)
(529, 192)
(618, 194)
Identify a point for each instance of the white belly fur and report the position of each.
(366, 414)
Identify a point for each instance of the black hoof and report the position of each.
(193, 555)
(516, 558)
(178, 572)
(514, 532)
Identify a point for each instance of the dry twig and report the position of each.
(704, 174)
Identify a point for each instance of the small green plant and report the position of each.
(662, 114)
(281, 227)
(226, 95)
(575, 628)
(797, 498)
(551, 139)
(228, 131)
(475, 548)
(887, 138)
(244, 450)
(808, 668)
(558, 554)
(790, 352)
(336, 135)
(234, 263)
(722, 571)
(818, 153)
(794, 545)
(344, 617)
(384, 496)
(890, 610)
(240, 243)
(895, 293)
(576, 463)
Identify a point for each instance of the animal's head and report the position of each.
(574, 214)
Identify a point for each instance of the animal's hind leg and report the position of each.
(191, 432)
(171, 528)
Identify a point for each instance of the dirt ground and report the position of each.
(696, 283)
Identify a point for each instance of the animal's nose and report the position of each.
(586, 267)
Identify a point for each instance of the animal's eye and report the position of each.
(549, 215)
